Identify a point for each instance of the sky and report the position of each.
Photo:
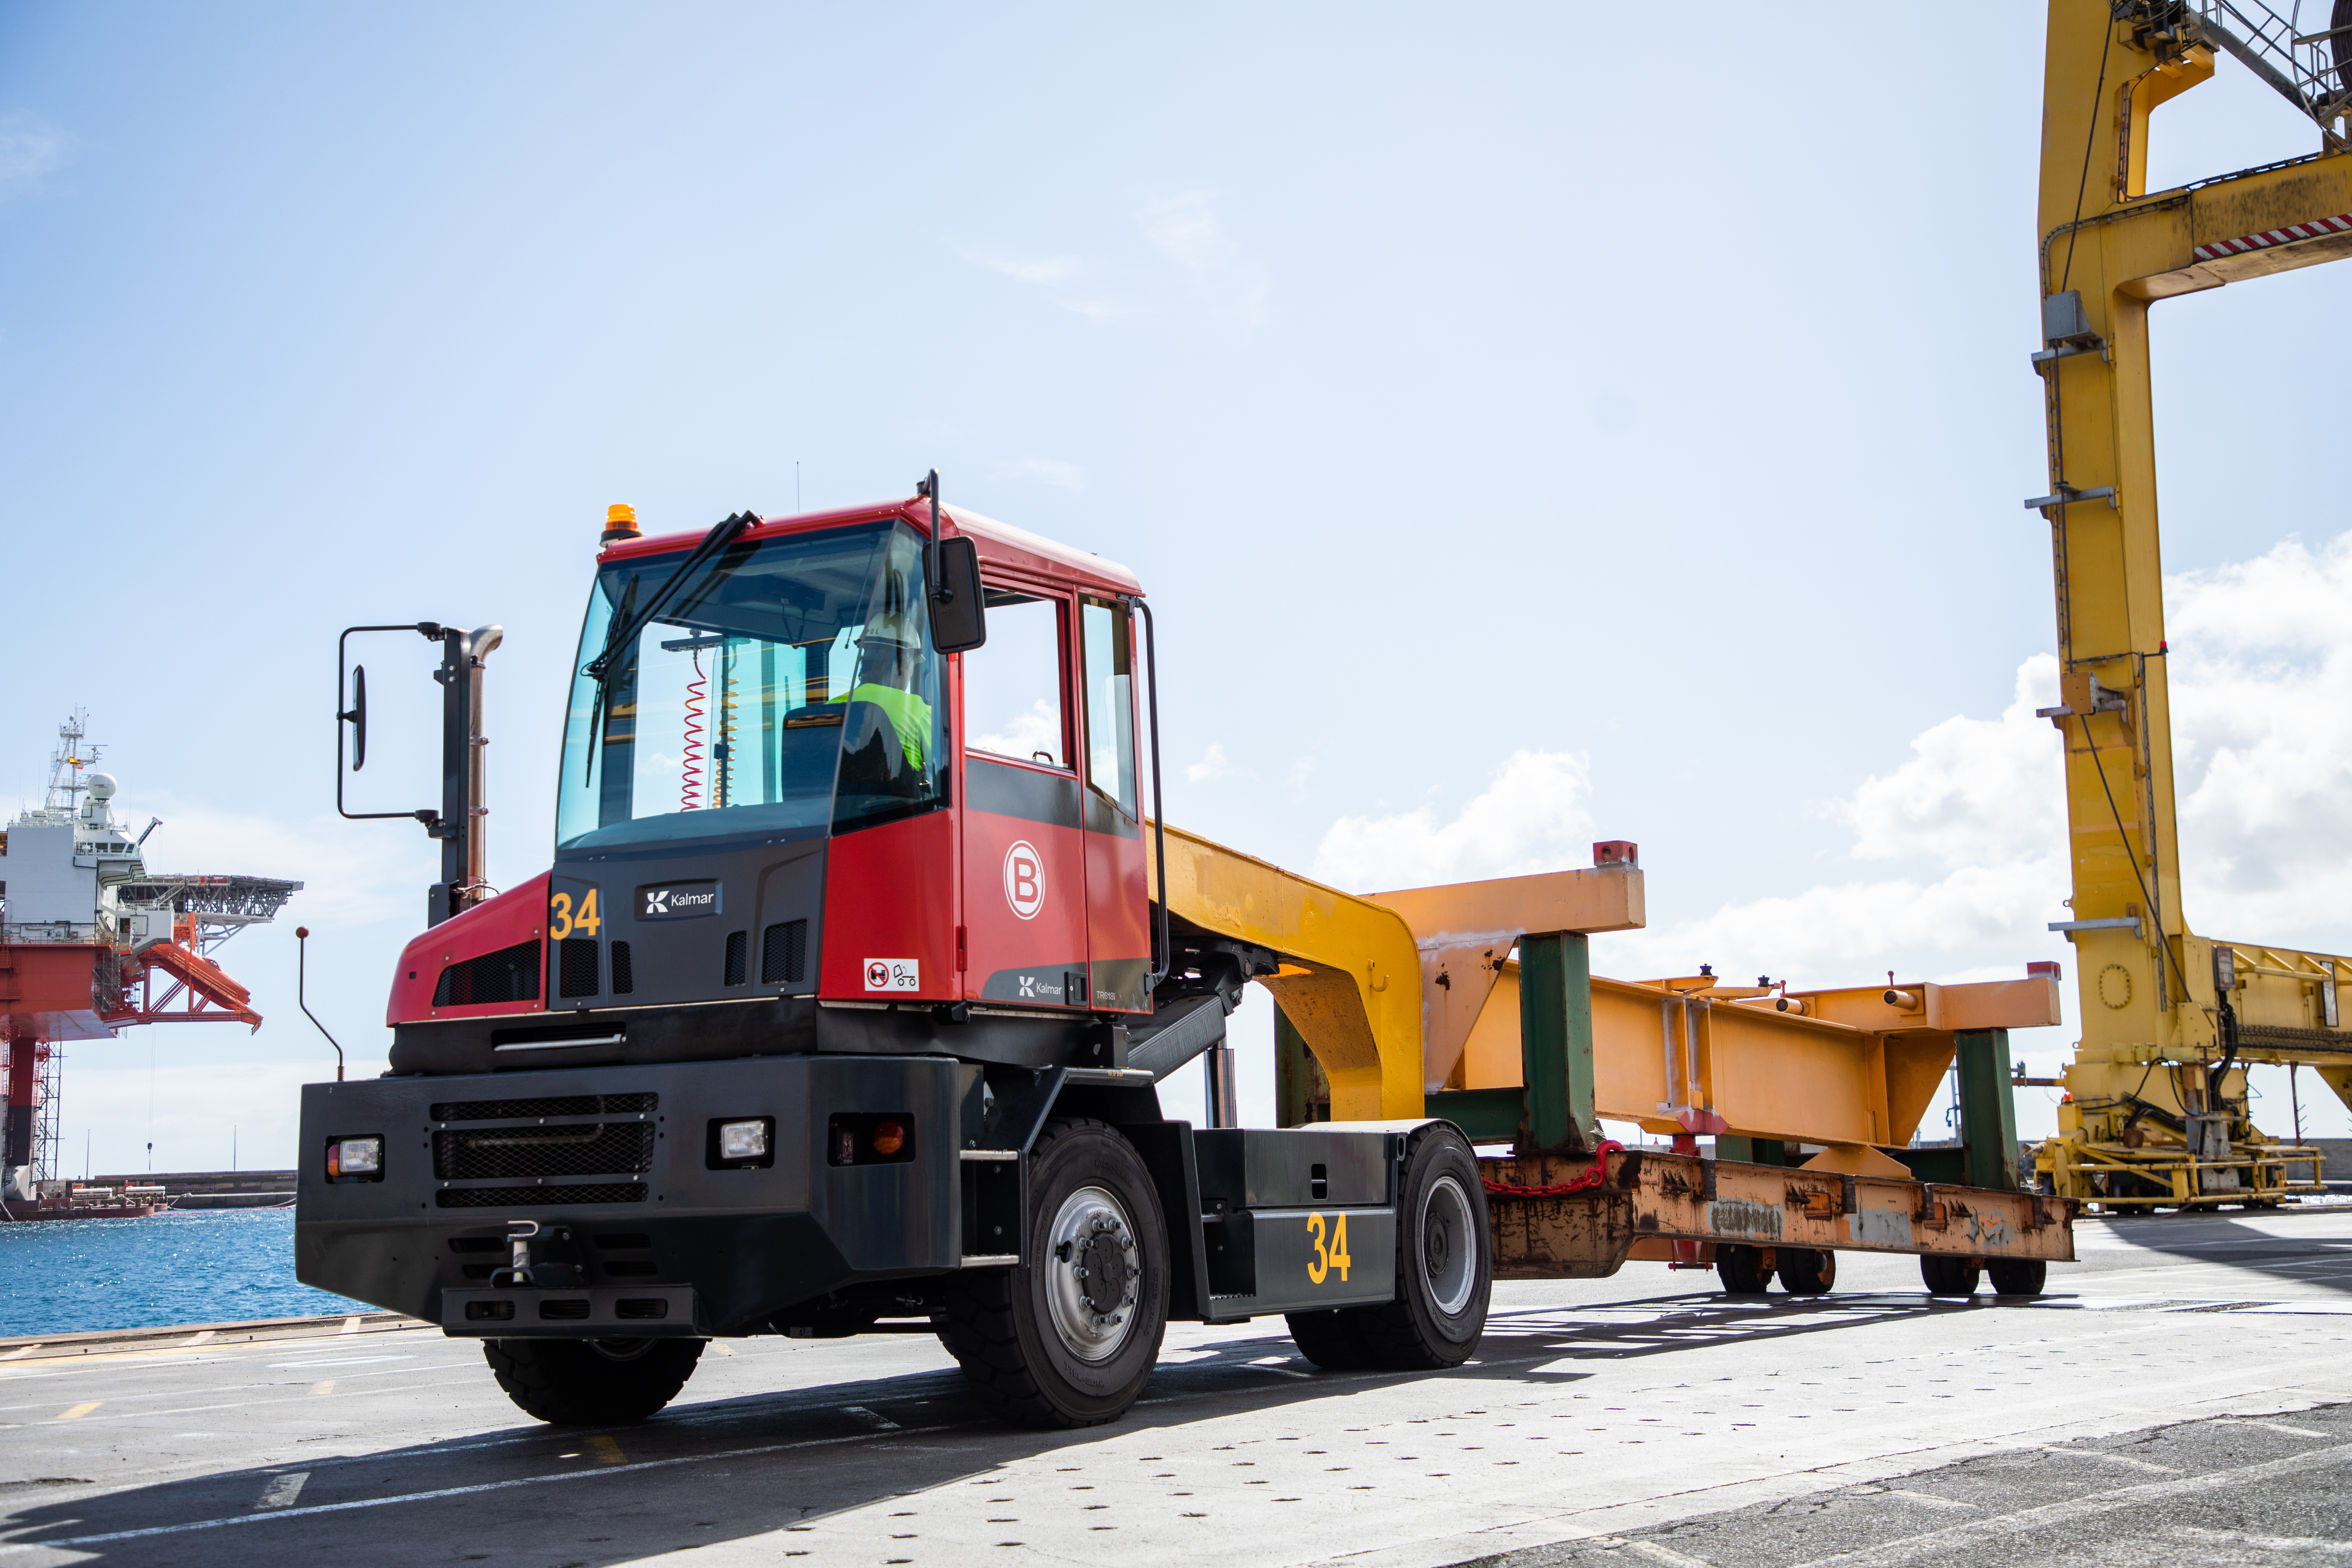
(1521, 445)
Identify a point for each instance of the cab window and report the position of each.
(1110, 701)
(1013, 683)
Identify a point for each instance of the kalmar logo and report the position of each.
(1025, 879)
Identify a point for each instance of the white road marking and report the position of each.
(1951, 1545)
(1668, 1555)
(339, 1360)
(2110, 1458)
(880, 1422)
(1930, 1500)
(282, 1490)
(2279, 1426)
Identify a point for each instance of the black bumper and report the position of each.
(668, 1239)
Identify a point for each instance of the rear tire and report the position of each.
(1068, 1337)
(1806, 1272)
(1445, 1263)
(1741, 1269)
(1333, 1341)
(1948, 1276)
(592, 1383)
(2018, 1276)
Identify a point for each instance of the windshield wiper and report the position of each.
(625, 627)
(626, 623)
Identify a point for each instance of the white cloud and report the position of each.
(1043, 273)
(28, 152)
(1527, 820)
(1038, 729)
(2261, 660)
(1187, 230)
(353, 873)
(1215, 764)
(1046, 471)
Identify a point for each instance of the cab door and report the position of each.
(1024, 875)
(1119, 912)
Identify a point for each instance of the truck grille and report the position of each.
(578, 1149)
(539, 1197)
(509, 975)
(523, 1110)
(783, 952)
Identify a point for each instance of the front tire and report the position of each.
(1068, 1337)
(592, 1383)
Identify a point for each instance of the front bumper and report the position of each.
(655, 1236)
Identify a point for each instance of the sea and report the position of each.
(204, 1265)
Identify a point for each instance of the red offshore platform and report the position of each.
(90, 943)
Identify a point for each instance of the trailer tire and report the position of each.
(1948, 1276)
(1068, 1336)
(1805, 1271)
(1741, 1269)
(1444, 1264)
(2017, 1276)
(592, 1383)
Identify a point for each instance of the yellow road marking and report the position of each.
(326, 1387)
(78, 1411)
(608, 1452)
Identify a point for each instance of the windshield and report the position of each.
(790, 687)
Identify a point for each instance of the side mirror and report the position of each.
(958, 622)
(356, 717)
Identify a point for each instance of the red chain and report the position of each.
(1594, 1177)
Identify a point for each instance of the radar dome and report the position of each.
(101, 786)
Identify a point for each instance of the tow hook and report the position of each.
(518, 1270)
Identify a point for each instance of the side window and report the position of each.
(1013, 684)
(1110, 701)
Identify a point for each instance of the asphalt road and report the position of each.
(2188, 1375)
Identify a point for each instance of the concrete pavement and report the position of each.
(1597, 1411)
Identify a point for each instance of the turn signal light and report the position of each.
(355, 1159)
(869, 1139)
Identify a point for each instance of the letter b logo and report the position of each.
(1025, 879)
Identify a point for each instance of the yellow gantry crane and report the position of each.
(2156, 1111)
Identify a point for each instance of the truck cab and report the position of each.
(844, 1002)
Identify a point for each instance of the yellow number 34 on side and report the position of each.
(1332, 1255)
(562, 921)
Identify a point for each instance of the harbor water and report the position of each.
(205, 1265)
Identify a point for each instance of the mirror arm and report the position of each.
(356, 717)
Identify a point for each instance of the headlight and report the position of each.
(349, 1157)
(743, 1139)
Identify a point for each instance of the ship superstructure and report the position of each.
(91, 941)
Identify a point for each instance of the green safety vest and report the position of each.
(908, 714)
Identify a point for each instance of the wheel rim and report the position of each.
(1092, 1271)
(1449, 1246)
(622, 1350)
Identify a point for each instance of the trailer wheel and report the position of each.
(1948, 1276)
(1805, 1271)
(1068, 1337)
(1446, 1262)
(592, 1383)
(1741, 1269)
(2017, 1276)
